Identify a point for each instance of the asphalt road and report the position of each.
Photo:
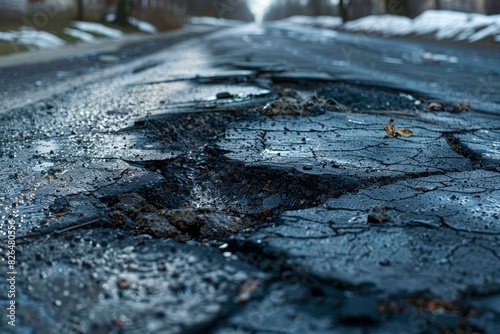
(456, 71)
(241, 181)
(451, 71)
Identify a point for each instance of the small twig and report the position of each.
(46, 239)
(57, 232)
(76, 226)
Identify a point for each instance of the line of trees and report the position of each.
(123, 9)
(229, 9)
(354, 9)
(225, 9)
(492, 7)
(238, 9)
(412, 8)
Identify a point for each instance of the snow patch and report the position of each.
(440, 24)
(216, 22)
(81, 35)
(461, 26)
(33, 39)
(143, 25)
(381, 24)
(139, 24)
(98, 28)
(492, 30)
(327, 22)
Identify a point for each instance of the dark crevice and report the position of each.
(457, 146)
(444, 223)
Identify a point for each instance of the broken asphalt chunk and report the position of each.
(184, 224)
(59, 205)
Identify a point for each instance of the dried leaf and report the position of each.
(392, 131)
(389, 128)
(434, 106)
(403, 132)
(440, 305)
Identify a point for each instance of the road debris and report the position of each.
(434, 106)
(378, 215)
(293, 104)
(460, 107)
(392, 131)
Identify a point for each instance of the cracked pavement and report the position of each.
(160, 198)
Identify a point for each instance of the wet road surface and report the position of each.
(243, 182)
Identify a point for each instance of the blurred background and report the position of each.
(35, 24)
(168, 14)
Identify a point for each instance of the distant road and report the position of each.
(454, 71)
(31, 76)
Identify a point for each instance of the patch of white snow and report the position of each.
(98, 28)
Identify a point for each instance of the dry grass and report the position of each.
(11, 47)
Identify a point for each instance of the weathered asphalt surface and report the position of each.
(157, 194)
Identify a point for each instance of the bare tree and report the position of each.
(123, 11)
(358, 8)
(285, 8)
(79, 10)
(316, 6)
(343, 10)
(398, 7)
(492, 7)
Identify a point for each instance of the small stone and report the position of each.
(59, 205)
(224, 95)
(272, 201)
(384, 262)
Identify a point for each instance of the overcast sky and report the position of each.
(259, 7)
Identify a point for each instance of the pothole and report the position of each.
(196, 203)
(204, 195)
